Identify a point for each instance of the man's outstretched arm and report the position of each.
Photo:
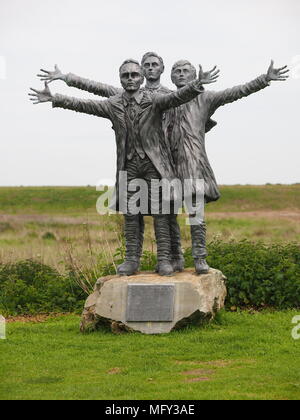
(188, 92)
(226, 96)
(86, 106)
(97, 88)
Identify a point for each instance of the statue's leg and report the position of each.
(132, 240)
(177, 258)
(133, 230)
(163, 240)
(198, 235)
(199, 252)
(161, 221)
(141, 234)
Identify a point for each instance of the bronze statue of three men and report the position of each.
(160, 135)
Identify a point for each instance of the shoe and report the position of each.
(201, 266)
(128, 268)
(178, 264)
(165, 268)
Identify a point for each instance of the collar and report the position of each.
(153, 88)
(138, 96)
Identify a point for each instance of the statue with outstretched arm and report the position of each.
(72, 80)
(153, 67)
(137, 120)
(187, 140)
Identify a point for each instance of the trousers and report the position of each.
(141, 173)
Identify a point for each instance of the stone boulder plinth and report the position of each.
(152, 304)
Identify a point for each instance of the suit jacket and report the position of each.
(150, 114)
(102, 89)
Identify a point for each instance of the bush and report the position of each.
(257, 275)
(29, 287)
(49, 236)
(5, 227)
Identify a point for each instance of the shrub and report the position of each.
(5, 227)
(29, 287)
(49, 236)
(257, 275)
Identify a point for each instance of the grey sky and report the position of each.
(256, 140)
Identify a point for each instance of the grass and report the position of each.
(51, 242)
(74, 200)
(238, 356)
(44, 222)
(79, 200)
(257, 197)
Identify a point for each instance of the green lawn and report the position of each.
(239, 356)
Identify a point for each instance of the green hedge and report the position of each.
(257, 276)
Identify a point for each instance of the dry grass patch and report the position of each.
(114, 371)
(215, 363)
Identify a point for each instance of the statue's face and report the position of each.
(182, 75)
(131, 77)
(152, 68)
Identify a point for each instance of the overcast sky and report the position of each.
(257, 139)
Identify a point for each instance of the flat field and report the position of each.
(53, 224)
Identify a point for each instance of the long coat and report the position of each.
(188, 133)
(150, 115)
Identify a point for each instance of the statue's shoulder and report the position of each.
(147, 97)
(205, 96)
(116, 100)
(208, 94)
(163, 89)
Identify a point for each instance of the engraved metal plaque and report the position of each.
(150, 303)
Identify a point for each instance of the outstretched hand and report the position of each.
(208, 77)
(50, 76)
(277, 74)
(40, 96)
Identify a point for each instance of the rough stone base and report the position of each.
(197, 300)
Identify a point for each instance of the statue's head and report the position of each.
(153, 66)
(182, 73)
(131, 75)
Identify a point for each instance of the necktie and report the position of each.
(132, 109)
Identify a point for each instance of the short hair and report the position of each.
(153, 54)
(130, 61)
(184, 63)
